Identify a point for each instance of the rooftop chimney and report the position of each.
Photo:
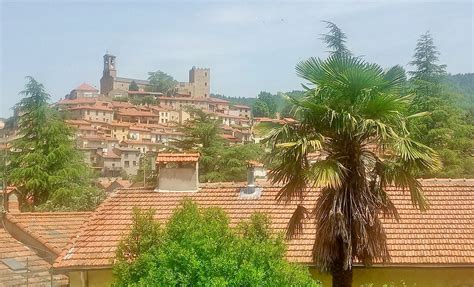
(177, 172)
(251, 191)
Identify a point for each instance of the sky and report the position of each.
(250, 46)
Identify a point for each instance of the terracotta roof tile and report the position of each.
(442, 235)
(52, 229)
(177, 157)
(13, 263)
(86, 87)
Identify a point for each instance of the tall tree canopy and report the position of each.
(161, 82)
(425, 60)
(447, 128)
(45, 166)
(265, 105)
(133, 86)
(218, 160)
(335, 40)
(354, 116)
(198, 248)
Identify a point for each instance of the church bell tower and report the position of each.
(108, 75)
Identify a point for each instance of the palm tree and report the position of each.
(354, 117)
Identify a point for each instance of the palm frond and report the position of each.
(327, 173)
(295, 225)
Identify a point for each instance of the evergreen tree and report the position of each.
(445, 127)
(335, 40)
(425, 60)
(260, 109)
(162, 82)
(45, 166)
(133, 86)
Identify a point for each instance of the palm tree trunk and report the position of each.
(341, 277)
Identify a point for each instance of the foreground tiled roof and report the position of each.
(177, 157)
(442, 235)
(14, 259)
(52, 229)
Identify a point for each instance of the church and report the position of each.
(198, 85)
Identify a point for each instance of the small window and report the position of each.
(96, 113)
(134, 163)
(205, 74)
(205, 84)
(127, 163)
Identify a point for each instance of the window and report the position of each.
(125, 155)
(113, 165)
(96, 113)
(205, 84)
(87, 112)
(134, 163)
(103, 113)
(127, 163)
(205, 74)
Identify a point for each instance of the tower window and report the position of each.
(205, 84)
(205, 74)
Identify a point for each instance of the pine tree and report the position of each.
(426, 59)
(45, 166)
(445, 127)
(133, 86)
(335, 40)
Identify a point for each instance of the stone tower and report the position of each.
(108, 75)
(199, 79)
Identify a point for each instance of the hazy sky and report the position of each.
(249, 46)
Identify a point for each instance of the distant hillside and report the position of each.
(280, 99)
(463, 85)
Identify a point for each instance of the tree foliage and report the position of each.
(146, 174)
(161, 82)
(354, 115)
(335, 40)
(260, 109)
(447, 127)
(218, 160)
(133, 86)
(45, 166)
(198, 248)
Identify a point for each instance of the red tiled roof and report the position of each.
(136, 113)
(86, 87)
(177, 157)
(12, 250)
(77, 122)
(77, 101)
(441, 235)
(52, 229)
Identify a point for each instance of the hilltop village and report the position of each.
(114, 134)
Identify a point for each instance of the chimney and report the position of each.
(177, 172)
(251, 191)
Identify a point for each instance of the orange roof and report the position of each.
(17, 253)
(77, 101)
(86, 87)
(52, 229)
(94, 108)
(77, 122)
(134, 112)
(441, 235)
(119, 124)
(177, 157)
